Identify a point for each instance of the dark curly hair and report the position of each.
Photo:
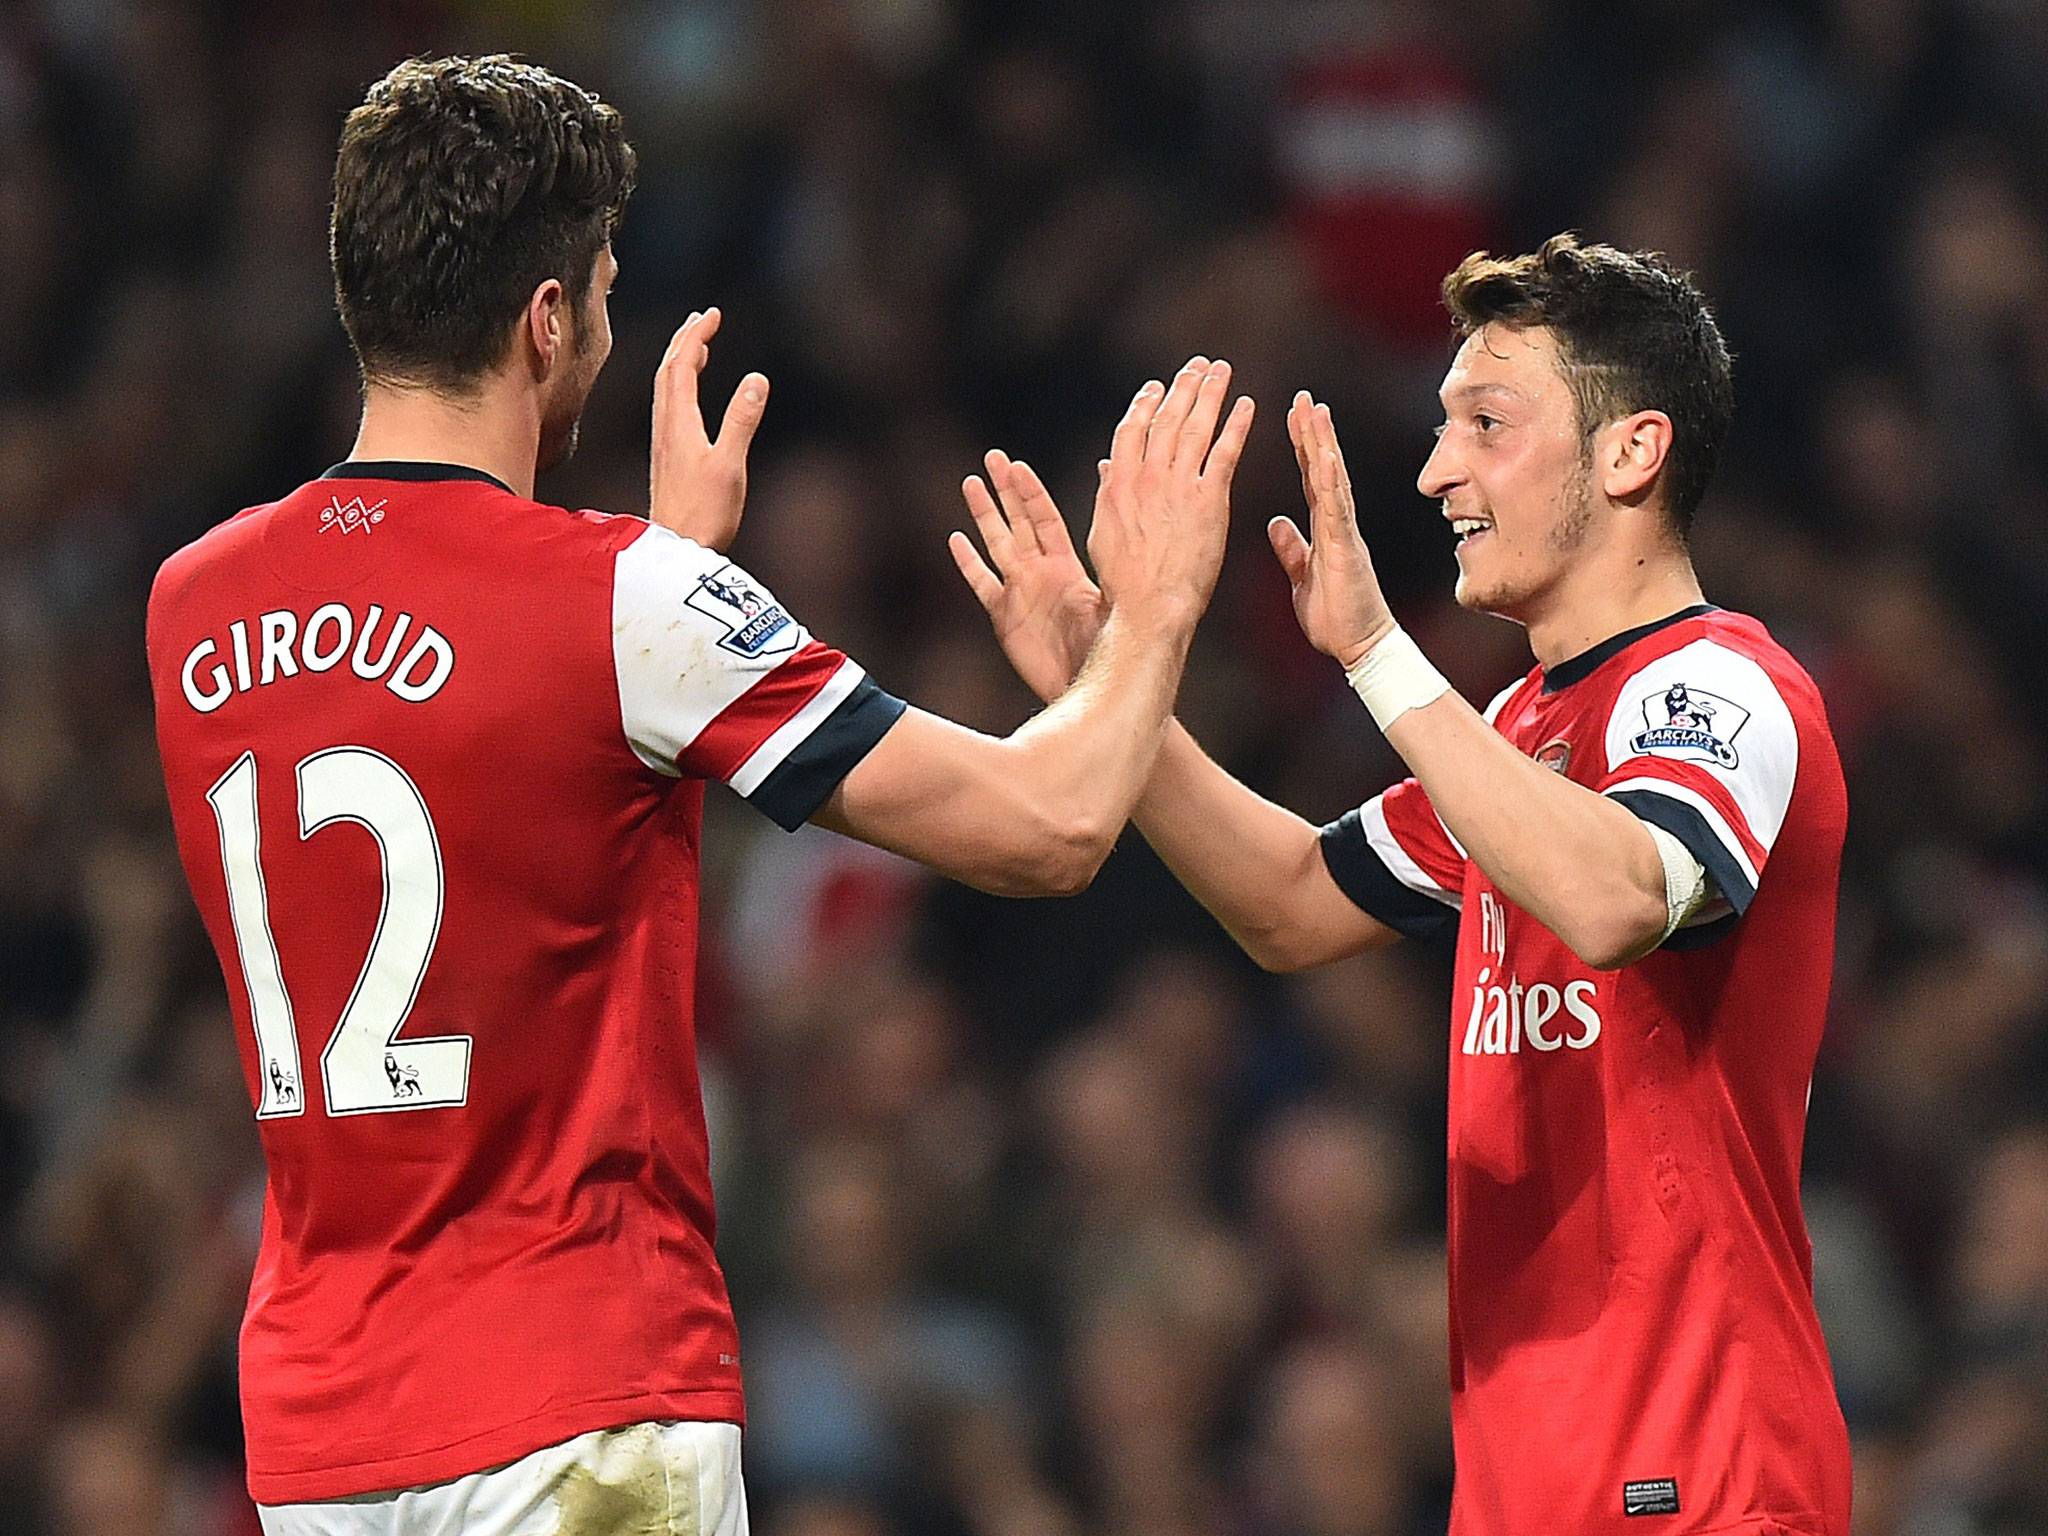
(461, 185)
(1633, 334)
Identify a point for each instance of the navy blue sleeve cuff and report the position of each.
(1374, 888)
(1686, 824)
(803, 781)
(1704, 935)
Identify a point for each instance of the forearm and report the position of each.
(1255, 866)
(1034, 813)
(1234, 850)
(1579, 863)
(1088, 754)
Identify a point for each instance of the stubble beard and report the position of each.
(1575, 514)
(559, 432)
(557, 445)
(1565, 536)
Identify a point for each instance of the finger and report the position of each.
(1127, 445)
(1035, 502)
(1291, 547)
(995, 533)
(677, 341)
(1335, 479)
(688, 352)
(1297, 417)
(743, 415)
(1230, 445)
(1300, 432)
(690, 346)
(1164, 433)
(983, 582)
(1325, 514)
(1002, 472)
(1326, 432)
(1199, 429)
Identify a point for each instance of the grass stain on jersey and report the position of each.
(625, 1494)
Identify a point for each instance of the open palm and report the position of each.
(1337, 597)
(1045, 608)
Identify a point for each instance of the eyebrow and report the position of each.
(1473, 391)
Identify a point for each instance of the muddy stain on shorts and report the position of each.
(625, 1493)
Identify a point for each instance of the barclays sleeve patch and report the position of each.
(1692, 725)
(755, 624)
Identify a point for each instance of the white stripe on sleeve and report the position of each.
(1372, 816)
(794, 731)
(681, 652)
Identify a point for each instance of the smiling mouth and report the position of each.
(1469, 528)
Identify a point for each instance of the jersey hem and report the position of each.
(493, 1448)
(1768, 1525)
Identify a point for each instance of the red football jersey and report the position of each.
(436, 758)
(1634, 1347)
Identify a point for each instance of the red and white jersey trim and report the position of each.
(678, 668)
(717, 681)
(774, 752)
(1380, 837)
(1743, 850)
(1705, 726)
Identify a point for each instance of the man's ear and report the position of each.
(1630, 453)
(547, 327)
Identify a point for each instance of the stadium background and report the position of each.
(1055, 1219)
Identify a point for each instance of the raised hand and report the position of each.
(1045, 609)
(698, 487)
(1162, 509)
(1337, 597)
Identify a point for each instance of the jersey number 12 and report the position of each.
(365, 1068)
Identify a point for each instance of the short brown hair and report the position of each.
(461, 185)
(1633, 334)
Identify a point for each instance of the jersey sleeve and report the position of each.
(1398, 862)
(1701, 743)
(717, 681)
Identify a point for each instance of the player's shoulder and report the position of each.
(1716, 689)
(601, 532)
(662, 577)
(630, 552)
(219, 547)
(1724, 647)
(491, 515)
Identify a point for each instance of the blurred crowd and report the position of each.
(1051, 1219)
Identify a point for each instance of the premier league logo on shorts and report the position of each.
(1691, 725)
(755, 624)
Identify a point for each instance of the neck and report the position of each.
(1598, 600)
(497, 430)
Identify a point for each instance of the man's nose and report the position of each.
(1439, 471)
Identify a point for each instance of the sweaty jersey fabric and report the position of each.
(436, 759)
(1634, 1347)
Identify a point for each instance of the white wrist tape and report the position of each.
(1685, 879)
(1395, 677)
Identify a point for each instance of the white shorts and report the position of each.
(669, 1479)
